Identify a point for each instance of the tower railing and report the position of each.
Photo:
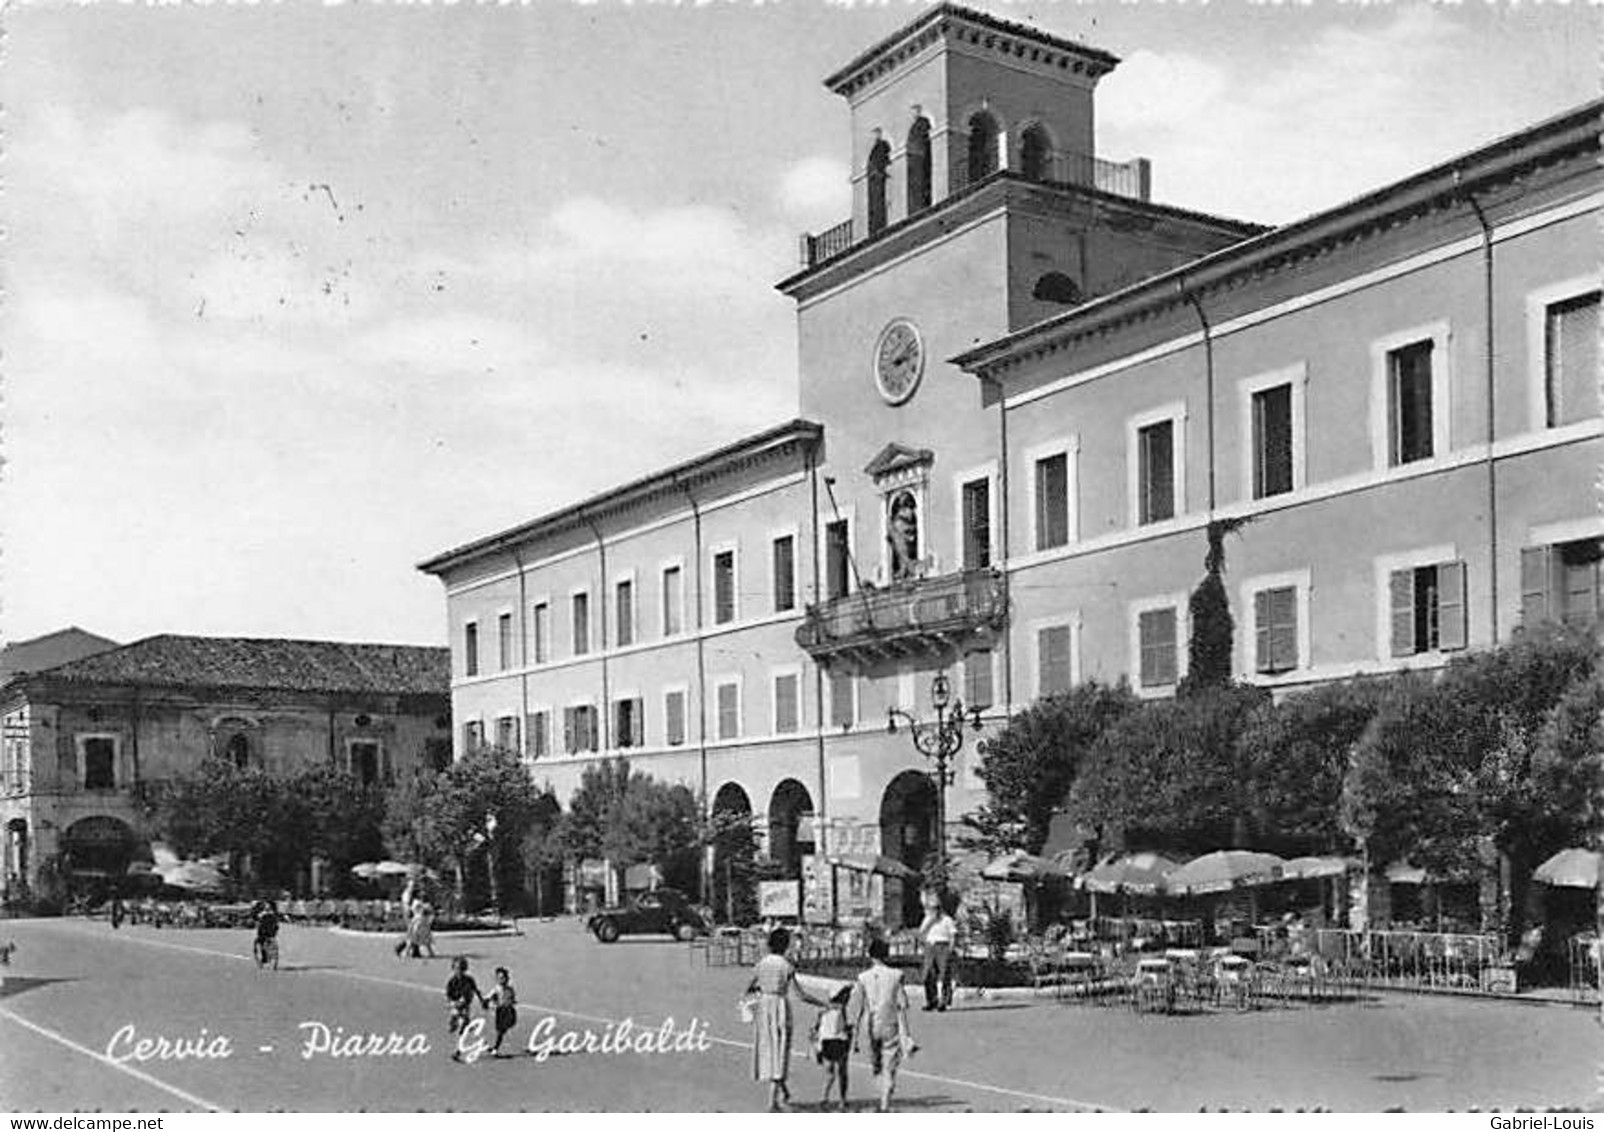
(1131, 179)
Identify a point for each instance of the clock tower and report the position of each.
(979, 208)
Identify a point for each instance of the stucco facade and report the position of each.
(83, 744)
(1022, 404)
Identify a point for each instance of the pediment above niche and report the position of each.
(897, 463)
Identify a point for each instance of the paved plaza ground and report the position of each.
(74, 984)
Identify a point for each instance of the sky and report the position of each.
(297, 296)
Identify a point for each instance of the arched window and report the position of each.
(1035, 154)
(982, 146)
(919, 166)
(879, 164)
(238, 750)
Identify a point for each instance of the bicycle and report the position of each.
(266, 952)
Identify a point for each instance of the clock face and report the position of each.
(899, 361)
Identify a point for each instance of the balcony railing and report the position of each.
(924, 616)
(1131, 179)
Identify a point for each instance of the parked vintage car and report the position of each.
(660, 911)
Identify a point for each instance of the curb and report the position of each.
(392, 936)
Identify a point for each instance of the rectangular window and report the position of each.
(1275, 625)
(1409, 407)
(837, 559)
(723, 587)
(100, 763)
(629, 722)
(1570, 360)
(581, 624)
(504, 642)
(674, 718)
(787, 698)
(507, 732)
(729, 710)
(625, 595)
(1272, 441)
(1562, 582)
(784, 573)
(1054, 674)
(1155, 464)
(473, 735)
(579, 729)
(1052, 501)
(1158, 641)
(1428, 608)
(977, 524)
(539, 725)
(540, 630)
(367, 763)
(673, 600)
(470, 649)
(977, 680)
(843, 711)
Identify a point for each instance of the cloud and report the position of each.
(816, 192)
(460, 342)
(1351, 109)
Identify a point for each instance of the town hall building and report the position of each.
(1026, 390)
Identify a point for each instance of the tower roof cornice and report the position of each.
(954, 23)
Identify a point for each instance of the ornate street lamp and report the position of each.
(940, 740)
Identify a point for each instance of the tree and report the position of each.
(1295, 755)
(337, 818)
(1169, 775)
(1209, 648)
(244, 813)
(1401, 796)
(732, 834)
(482, 804)
(1029, 766)
(628, 817)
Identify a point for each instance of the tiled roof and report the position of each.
(49, 650)
(271, 664)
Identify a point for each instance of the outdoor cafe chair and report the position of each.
(1080, 974)
(1233, 981)
(1153, 986)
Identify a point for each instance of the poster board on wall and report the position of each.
(779, 899)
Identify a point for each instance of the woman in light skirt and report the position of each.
(772, 981)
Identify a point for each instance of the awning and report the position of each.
(883, 865)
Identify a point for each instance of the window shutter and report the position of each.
(569, 737)
(1534, 575)
(1263, 658)
(1284, 629)
(1403, 612)
(637, 723)
(1451, 606)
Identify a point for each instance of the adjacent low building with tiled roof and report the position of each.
(84, 742)
(49, 650)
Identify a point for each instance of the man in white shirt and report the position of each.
(882, 1007)
(938, 932)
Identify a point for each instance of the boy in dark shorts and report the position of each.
(505, 1001)
(461, 992)
(832, 1040)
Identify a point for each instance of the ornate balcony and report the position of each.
(929, 615)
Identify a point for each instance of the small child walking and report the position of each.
(832, 1043)
(461, 991)
(505, 1001)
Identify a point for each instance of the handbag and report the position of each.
(747, 1005)
(908, 1045)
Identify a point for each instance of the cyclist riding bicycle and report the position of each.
(265, 914)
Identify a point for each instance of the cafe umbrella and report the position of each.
(1570, 868)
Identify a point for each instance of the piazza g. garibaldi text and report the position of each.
(318, 1039)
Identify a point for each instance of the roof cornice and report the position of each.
(950, 22)
(1429, 191)
(742, 453)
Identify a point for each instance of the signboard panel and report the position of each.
(818, 897)
(779, 899)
